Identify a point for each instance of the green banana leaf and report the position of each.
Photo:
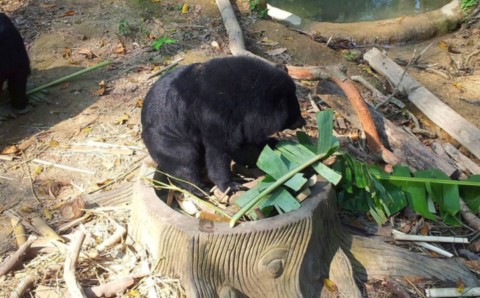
(284, 165)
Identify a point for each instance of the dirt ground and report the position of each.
(104, 105)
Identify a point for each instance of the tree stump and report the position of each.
(284, 256)
(288, 255)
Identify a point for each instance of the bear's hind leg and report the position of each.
(183, 162)
(17, 87)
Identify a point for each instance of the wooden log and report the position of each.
(374, 259)
(462, 160)
(236, 42)
(442, 115)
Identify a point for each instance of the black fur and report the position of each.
(202, 115)
(14, 63)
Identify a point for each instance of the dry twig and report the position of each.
(22, 287)
(74, 288)
(166, 68)
(435, 249)
(120, 232)
(15, 259)
(112, 288)
(60, 166)
(397, 235)
(395, 91)
(376, 92)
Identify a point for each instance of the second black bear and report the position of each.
(200, 116)
(14, 63)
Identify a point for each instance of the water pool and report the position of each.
(348, 11)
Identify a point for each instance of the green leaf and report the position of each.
(296, 182)
(377, 214)
(157, 44)
(325, 131)
(274, 165)
(392, 198)
(299, 154)
(327, 173)
(271, 163)
(356, 201)
(416, 192)
(305, 141)
(417, 196)
(471, 195)
(296, 153)
(451, 220)
(360, 175)
(248, 196)
(447, 196)
(299, 157)
(282, 200)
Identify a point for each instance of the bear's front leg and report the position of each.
(218, 168)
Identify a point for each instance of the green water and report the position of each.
(347, 11)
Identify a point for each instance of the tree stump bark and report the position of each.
(289, 255)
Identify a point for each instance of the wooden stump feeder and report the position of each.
(288, 255)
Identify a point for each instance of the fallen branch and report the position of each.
(6, 178)
(336, 75)
(172, 65)
(397, 235)
(45, 245)
(376, 92)
(452, 292)
(361, 109)
(311, 72)
(112, 288)
(120, 232)
(73, 223)
(395, 90)
(7, 157)
(468, 254)
(86, 149)
(74, 288)
(69, 77)
(417, 129)
(435, 249)
(60, 166)
(22, 287)
(236, 42)
(15, 259)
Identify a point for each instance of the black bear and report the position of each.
(202, 115)
(14, 63)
